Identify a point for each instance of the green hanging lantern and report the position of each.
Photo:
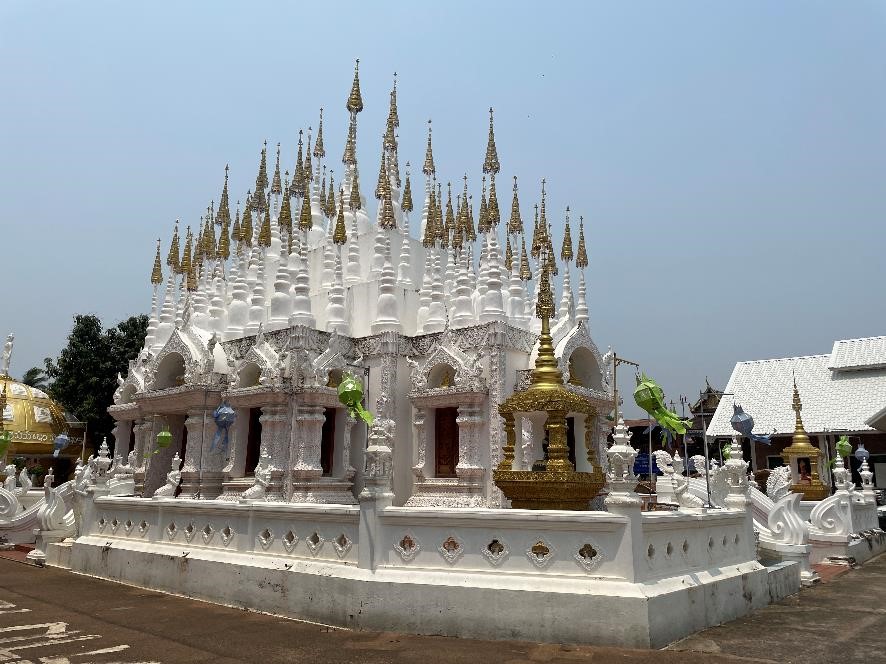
(844, 447)
(164, 440)
(650, 397)
(350, 393)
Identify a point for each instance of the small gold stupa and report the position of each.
(803, 459)
(558, 486)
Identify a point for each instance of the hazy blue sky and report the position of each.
(729, 158)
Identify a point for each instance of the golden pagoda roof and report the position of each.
(31, 417)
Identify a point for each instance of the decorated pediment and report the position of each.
(263, 365)
(448, 368)
(190, 356)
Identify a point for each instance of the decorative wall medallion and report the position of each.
(588, 556)
(207, 533)
(540, 554)
(227, 534)
(171, 530)
(342, 545)
(407, 547)
(685, 547)
(290, 539)
(190, 531)
(496, 551)
(650, 551)
(314, 542)
(143, 528)
(725, 541)
(114, 525)
(265, 538)
(128, 525)
(102, 522)
(451, 549)
(669, 550)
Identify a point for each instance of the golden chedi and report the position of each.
(803, 458)
(557, 486)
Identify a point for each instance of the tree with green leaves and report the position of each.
(84, 376)
(35, 377)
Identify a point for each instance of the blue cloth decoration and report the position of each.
(61, 442)
(743, 423)
(224, 417)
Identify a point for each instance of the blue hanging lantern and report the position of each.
(743, 423)
(61, 442)
(224, 417)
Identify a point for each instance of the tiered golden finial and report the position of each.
(430, 235)
(224, 241)
(330, 197)
(308, 168)
(322, 196)
(236, 233)
(515, 224)
(246, 226)
(319, 149)
(191, 280)
(172, 258)
(509, 254)
(558, 485)
(449, 223)
(382, 175)
(340, 233)
(483, 218)
(493, 216)
(406, 204)
(428, 168)
(276, 184)
(209, 245)
(355, 200)
(261, 180)
(803, 458)
(305, 220)
(298, 178)
(264, 232)
(566, 249)
(284, 219)
(490, 164)
(581, 260)
(349, 158)
(224, 208)
(156, 273)
(355, 100)
(525, 272)
(187, 264)
(469, 227)
(441, 236)
(393, 115)
(535, 249)
(388, 221)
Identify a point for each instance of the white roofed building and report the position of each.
(843, 393)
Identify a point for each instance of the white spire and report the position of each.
(217, 306)
(462, 307)
(281, 301)
(153, 321)
(405, 266)
(336, 312)
(517, 298)
(424, 294)
(328, 273)
(493, 305)
(301, 301)
(167, 314)
(257, 314)
(238, 309)
(387, 315)
(353, 276)
(436, 321)
(581, 303)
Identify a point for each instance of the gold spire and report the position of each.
(187, 263)
(209, 246)
(438, 210)
(330, 197)
(472, 234)
(264, 233)
(525, 272)
(799, 430)
(493, 216)
(224, 209)
(428, 168)
(261, 180)
(566, 249)
(276, 185)
(482, 223)
(349, 157)
(157, 272)
(549, 236)
(319, 149)
(340, 233)
(450, 216)
(355, 202)
(392, 112)
(388, 221)
(322, 195)
(509, 255)
(172, 258)
(355, 101)
(406, 204)
(308, 167)
(191, 280)
(546, 373)
(515, 225)
(235, 231)
(305, 221)
(490, 164)
(284, 220)
(581, 260)
(246, 225)
(298, 178)
(382, 175)
(224, 241)
(430, 235)
(536, 237)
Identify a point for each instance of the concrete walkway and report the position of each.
(55, 617)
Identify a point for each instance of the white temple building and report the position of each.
(300, 509)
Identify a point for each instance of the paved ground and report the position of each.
(54, 617)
